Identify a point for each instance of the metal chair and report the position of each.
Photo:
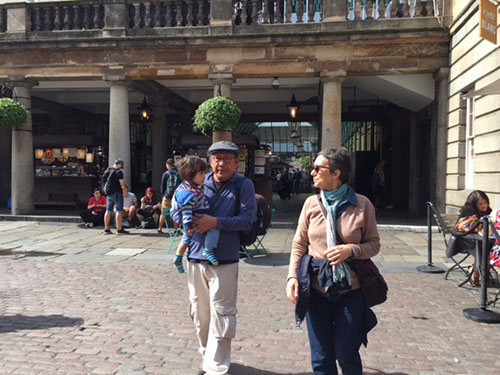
(258, 246)
(172, 232)
(463, 253)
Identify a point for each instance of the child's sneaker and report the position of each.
(209, 254)
(178, 263)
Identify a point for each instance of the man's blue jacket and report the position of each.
(222, 206)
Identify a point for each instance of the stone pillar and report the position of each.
(221, 13)
(17, 20)
(222, 81)
(441, 78)
(23, 174)
(159, 140)
(331, 123)
(119, 124)
(115, 18)
(334, 11)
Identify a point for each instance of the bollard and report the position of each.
(483, 314)
(429, 267)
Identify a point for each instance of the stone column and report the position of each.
(23, 174)
(119, 124)
(331, 123)
(334, 11)
(115, 19)
(441, 78)
(159, 140)
(224, 81)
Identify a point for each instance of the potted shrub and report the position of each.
(12, 113)
(217, 116)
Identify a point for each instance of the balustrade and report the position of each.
(78, 15)
(168, 13)
(143, 14)
(375, 9)
(248, 12)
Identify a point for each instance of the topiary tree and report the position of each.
(216, 114)
(12, 113)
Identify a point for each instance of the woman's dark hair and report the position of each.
(338, 158)
(189, 166)
(471, 201)
(99, 190)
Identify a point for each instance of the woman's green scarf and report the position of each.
(334, 198)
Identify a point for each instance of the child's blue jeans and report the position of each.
(211, 238)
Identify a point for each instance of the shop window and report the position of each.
(469, 147)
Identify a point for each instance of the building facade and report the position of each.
(83, 67)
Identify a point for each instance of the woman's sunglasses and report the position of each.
(316, 168)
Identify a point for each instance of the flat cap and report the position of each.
(223, 146)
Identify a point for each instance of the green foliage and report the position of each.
(304, 161)
(217, 113)
(12, 114)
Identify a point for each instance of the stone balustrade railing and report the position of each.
(119, 17)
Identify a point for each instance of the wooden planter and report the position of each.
(222, 136)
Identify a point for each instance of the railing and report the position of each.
(169, 13)
(363, 9)
(75, 15)
(248, 12)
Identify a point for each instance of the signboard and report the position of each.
(488, 20)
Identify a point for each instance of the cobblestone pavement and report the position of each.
(73, 301)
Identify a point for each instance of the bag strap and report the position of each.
(237, 192)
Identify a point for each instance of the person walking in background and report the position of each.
(334, 228)
(93, 216)
(190, 199)
(296, 177)
(213, 290)
(378, 185)
(170, 180)
(113, 182)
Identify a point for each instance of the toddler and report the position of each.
(189, 199)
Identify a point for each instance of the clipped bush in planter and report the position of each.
(12, 113)
(216, 114)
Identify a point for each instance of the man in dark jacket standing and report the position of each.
(169, 182)
(212, 289)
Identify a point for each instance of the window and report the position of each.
(469, 147)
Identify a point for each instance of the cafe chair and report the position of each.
(258, 246)
(172, 232)
(454, 244)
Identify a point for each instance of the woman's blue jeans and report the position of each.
(336, 331)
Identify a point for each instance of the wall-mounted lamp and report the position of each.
(293, 107)
(145, 110)
(275, 83)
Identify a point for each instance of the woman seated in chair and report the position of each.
(476, 206)
(150, 207)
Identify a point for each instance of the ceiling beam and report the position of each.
(173, 100)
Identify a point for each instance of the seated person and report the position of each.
(129, 206)
(476, 206)
(150, 206)
(93, 216)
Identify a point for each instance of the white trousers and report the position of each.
(212, 294)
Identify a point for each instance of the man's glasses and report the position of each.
(316, 168)
(225, 159)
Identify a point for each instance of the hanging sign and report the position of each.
(488, 21)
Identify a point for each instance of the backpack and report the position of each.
(148, 223)
(249, 236)
(109, 182)
(172, 183)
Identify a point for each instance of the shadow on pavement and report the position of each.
(247, 370)
(273, 260)
(18, 322)
(372, 371)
